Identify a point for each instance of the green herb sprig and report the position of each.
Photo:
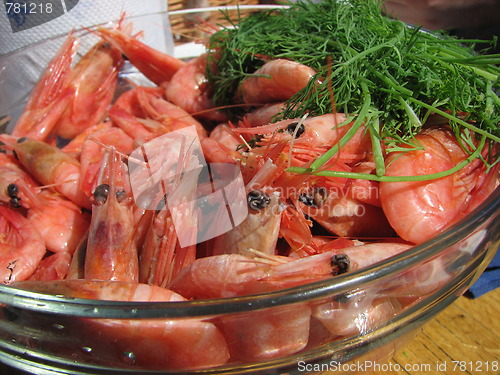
(385, 74)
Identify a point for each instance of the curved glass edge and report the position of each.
(340, 351)
(487, 212)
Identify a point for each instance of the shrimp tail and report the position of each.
(159, 67)
(50, 96)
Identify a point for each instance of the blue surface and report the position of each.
(489, 280)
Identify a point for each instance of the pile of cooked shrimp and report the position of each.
(70, 224)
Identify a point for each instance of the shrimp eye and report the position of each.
(258, 200)
(292, 126)
(14, 202)
(121, 195)
(22, 139)
(314, 198)
(101, 194)
(340, 264)
(12, 190)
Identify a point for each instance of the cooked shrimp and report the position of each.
(52, 267)
(22, 247)
(264, 334)
(92, 152)
(303, 140)
(189, 90)
(128, 100)
(344, 216)
(258, 231)
(111, 250)
(166, 344)
(356, 313)
(17, 187)
(217, 152)
(263, 115)
(267, 334)
(417, 210)
(50, 97)
(159, 67)
(50, 166)
(276, 81)
(74, 147)
(170, 243)
(59, 221)
(140, 131)
(172, 116)
(232, 275)
(94, 80)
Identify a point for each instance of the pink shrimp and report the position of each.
(22, 247)
(50, 97)
(151, 116)
(17, 187)
(265, 334)
(159, 67)
(163, 255)
(166, 344)
(419, 210)
(111, 250)
(342, 215)
(59, 221)
(217, 152)
(50, 166)
(93, 149)
(418, 281)
(140, 131)
(258, 231)
(129, 100)
(224, 134)
(263, 115)
(74, 147)
(276, 81)
(172, 116)
(306, 139)
(189, 90)
(52, 267)
(222, 145)
(355, 313)
(94, 79)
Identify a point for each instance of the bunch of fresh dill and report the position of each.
(383, 73)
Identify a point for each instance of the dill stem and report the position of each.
(372, 177)
(456, 119)
(460, 60)
(320, 161)
(391, 82)
(377, 146)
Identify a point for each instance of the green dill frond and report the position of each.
(407, 73)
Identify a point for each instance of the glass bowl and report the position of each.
(52, 334)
